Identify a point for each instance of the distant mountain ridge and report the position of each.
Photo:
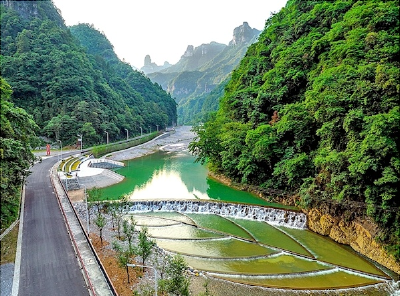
(201, 69)
(150, 67)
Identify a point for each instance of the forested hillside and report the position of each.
(313, 109)
(17, 135)
(74, 83)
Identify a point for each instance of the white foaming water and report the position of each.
(272, 216)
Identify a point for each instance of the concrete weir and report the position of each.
(274, 216)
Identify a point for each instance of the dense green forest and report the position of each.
(17, 134)
(59, 82)
(313, 109)
(71, 81)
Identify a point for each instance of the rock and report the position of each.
(359, 234)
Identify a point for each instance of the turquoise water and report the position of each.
(171, 176)
(256, 253)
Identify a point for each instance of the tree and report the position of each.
(129, 230)
(145, 245)
(118, 217)
(177, 283)
(124, 256)
(100, 222)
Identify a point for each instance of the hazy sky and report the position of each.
(164, 28)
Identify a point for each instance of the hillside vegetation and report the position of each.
(71, 81)
(60, 82)
(17, 134)
(313, 109)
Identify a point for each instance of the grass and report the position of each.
(101, 150)
(9, 246)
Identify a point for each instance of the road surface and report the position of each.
(48, 262)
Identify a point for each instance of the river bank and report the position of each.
(345, 223)
(177, 140)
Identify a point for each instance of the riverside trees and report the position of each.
(313, 109)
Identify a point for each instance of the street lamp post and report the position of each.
(155, 274)
(157, 127)
(61, 149)
(81, 140)
(127, 134)
(107, 136)
(141, 131)
(87, 209)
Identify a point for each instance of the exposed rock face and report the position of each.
(147, 60)
(243, 34)
(359, 234)
(189, 51)
(26, 10)
(34, 9)
(150, 67)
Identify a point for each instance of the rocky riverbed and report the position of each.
(177, 140)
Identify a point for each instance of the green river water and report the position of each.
(239, 250)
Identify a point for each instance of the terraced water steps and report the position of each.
(269, 235)
(154, 222)
(326, 250)
(181, 232)
(219, 224)
(318, 280)
(168, 215)
(226, 247)
(280, 263)
(257, 253)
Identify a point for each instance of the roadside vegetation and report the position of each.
(102, 150)
(17, 136)
(132, 245)
(9, 246)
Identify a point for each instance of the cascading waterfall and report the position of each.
(272, 216)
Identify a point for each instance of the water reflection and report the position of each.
(175, 175)
(166, 184)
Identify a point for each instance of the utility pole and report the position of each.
(81, 140)
(127, 134)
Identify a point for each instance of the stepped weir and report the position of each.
(274, 216)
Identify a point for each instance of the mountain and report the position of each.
(201, 69)
(150, 67)
(70, 79)
(313, 110)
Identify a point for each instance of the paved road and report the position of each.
(48, 262)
